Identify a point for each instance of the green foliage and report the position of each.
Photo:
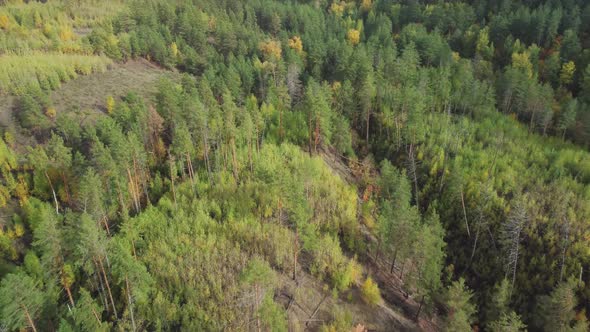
(46, 71)
(461, 311)
(187, 209)
(21, 299)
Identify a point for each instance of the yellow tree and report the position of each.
(353, 36)
(296, 44)
(522, 61)
(566, 76)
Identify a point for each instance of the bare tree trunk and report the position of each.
(133, 190)
(101, 291)
(317, 308)
(106, 280)
(97, 318)
(465, 213)
(130, 303)
(172, 179)
(53, 191)
(393, 261)
(234, 158)
(190, 171)
(296, 249)
(206, 153)
(419, 308)
(368, 121)
(29, 318)
(106, 225)
(413, 173)
(65, 181)
(69, 292)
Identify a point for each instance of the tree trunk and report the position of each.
(132, 190)
(53, 191)
(401, 274)
(465, 213)
(296, 249)
(190, 171)
(368, 121)
(69, 292)
(108, 287)
(29, 318)
(393, 261)
(130, 303)
(172, 180)
(234, 158)
(106, 225)
(97, 318)
(65, 181)
(317, 308)
(419, 308)
(206, 153)
(310, 134)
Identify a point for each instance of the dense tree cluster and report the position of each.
(459, 130)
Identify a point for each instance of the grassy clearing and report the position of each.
(91, 92)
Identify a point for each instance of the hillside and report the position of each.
(266, 165)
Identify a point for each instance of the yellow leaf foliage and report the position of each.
(353, 36)
(296, 44)
(110, 104)
(174, 49)
(366, 5)
(523, 62)
(337, 8)
(51, 112)
(566, 75)
(4, 22)
(65, 33)
(370, 292)
(271, 49)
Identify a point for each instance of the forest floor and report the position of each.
(398, 310)
(90, 92)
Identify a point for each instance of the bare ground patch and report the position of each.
(90, 92)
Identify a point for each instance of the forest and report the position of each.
(295, 165)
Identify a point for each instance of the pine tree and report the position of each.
(461, 312)
(21, 301)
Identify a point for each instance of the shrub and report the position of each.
(370, 292)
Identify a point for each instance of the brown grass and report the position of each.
(90, 92)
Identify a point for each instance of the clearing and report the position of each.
(90, 92)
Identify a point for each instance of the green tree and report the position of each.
(461, 312)
(557, 310)
(21, 301)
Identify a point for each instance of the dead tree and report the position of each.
(511, 237)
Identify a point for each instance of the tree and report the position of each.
(353, 36)
(110, 104)
(21, 301)
(512, 235)
(461, 311)
(398, 221)
(567, 119)
(366, 96)
(370, 292)
(429, 255)
(86, 314)
(508, 323)
(566, 76)
(259, 278)
(557, 310)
